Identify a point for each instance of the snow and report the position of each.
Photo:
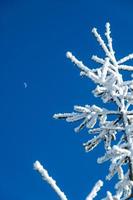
(110, 87)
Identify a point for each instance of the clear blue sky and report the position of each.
(34, 37)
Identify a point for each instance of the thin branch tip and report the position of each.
(69, 54)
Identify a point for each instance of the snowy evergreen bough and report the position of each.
(110, 87)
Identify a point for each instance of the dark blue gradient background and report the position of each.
(34, 37)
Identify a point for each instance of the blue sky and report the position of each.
(34, 37)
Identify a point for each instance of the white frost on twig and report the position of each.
(84, 70)
(109, 39)
(94, 191)
(126, 58)
(49, 180)
(109, 195)
(126, 67)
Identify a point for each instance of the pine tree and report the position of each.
(111, 88)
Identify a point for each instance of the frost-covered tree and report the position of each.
(110, 87)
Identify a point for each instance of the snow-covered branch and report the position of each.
(110, 87)
(94, 191)
(49, 180)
